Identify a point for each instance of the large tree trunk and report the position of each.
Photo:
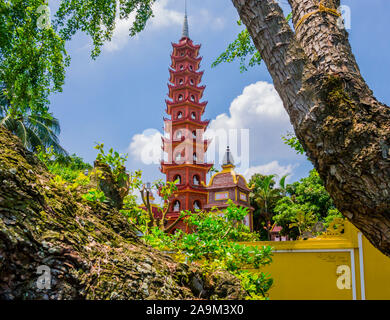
(345, 131)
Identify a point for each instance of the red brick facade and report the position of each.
(184, 144)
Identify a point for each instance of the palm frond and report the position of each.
(48, 120)
(42, 126)
(33, 129)
(21, 132)
(9, 123)
(282, 182)
(34, 140)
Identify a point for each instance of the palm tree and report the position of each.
(304, 221)
(265, 196)
(35, 130)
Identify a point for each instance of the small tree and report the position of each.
(214, 245)
(166, 191)
(304, 198)
(265, 196)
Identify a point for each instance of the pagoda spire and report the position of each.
(185, 26)
(228, 159)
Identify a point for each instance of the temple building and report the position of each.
(184, 144)
(227, 184)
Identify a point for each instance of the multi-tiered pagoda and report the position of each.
(184, 143)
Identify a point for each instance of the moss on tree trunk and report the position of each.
(90, 248)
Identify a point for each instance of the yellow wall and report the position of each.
(376, 272)
(307, 269)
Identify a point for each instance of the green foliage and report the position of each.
(32, 59)
(332, 215)
(166, 189)
(264, 197)
(70, 172)
(131, 209)
(94, 195)
(68, 167)
(137, 216)
(213, 244)
(98, 18)
(304, 221)
(114, 160)
(32, 48)
(242, 49)
(308, 201)
(36, 130)
(256, 284)
(291, 140)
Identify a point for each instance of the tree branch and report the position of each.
(344, 130)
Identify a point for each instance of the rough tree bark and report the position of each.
(344, 130)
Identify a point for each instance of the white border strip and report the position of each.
(361, 263)
(353, 274)
(351, 252)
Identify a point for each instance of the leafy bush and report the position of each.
(214, 245)
(307, 202)
(114, 160)
(94, 195)
(67, 167)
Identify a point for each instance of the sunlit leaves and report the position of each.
(32, 60)
(291, 140)
(98, 18)
(240, 49)
(213, 244)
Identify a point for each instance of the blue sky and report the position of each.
(115, 98)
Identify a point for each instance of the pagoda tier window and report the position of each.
(191, 68)
(192, 81)
(197, 205)
(181, 81)
(193, 115)
(180, 97)
(178, 157)
(176, 206)
(182, 53)
(192, 97)
(194, 157)
(194, 134)
(177, 179)
(179, 115)
(196, 180)
(181, 67)
(179, 134)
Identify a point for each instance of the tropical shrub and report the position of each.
(214, 245)
(307, 203)
(68, 167)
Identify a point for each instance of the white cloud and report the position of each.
(146, 147)
(259, 110)
(164, 17)
(206, 19)
(270, 168)
(121, 34)
(259, 102)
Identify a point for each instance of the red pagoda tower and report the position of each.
(184, 145)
